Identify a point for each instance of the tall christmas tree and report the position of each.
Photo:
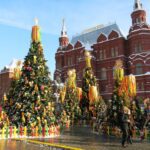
(29, 101)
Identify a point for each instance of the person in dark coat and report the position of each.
(130, 128)
(125, 127)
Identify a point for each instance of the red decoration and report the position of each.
(43, 131)
(42, 87)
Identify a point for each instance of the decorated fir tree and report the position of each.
(71, 97)
(90, 97)
(115, 108)
(29, 102)
(4, 121)
(124, 97)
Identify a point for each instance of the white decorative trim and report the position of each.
(71, 45)
(108, 40)
(143, 54)
(106, 93)
(143, 91)
(73, 49)
(80, 42)
(112, 58)
(116, 32)
(6, 71)
(145, 74)
(104, 35)
(129, 62)
(138, 59)
(147, 60)
(61, 52)
(142, 29)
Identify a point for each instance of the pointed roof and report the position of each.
(64, 29)
(90, 37)
(137, 5)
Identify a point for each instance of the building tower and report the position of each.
(63, 40)
(138, 16)
(139, 48)
(59, 56)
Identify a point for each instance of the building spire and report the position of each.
(64, 30)
(63, 40)
(36, 21)
(137, 5)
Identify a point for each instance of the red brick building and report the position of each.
(107, 44)
(6, 76)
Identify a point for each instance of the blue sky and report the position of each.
(16, 20)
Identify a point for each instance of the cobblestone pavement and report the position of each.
(77, 137)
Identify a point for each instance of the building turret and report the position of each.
(138, 16)
(63, 40)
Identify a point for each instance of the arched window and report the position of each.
(103, 75)
(138, 69)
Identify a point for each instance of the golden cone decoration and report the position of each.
(93, 94)
(87, 58)
(36, 88)
(17, 71)
(128, 86)
(69, 73)
(23, 117)
(36, 32)
(5, 97)
(34, 59)
(119, 71)
(79, 93)
(63, 94)
(132, 85)
(119, 74)
(71, 78)
(123, 87)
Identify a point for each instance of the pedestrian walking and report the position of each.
(130, 128)
(125, 126)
